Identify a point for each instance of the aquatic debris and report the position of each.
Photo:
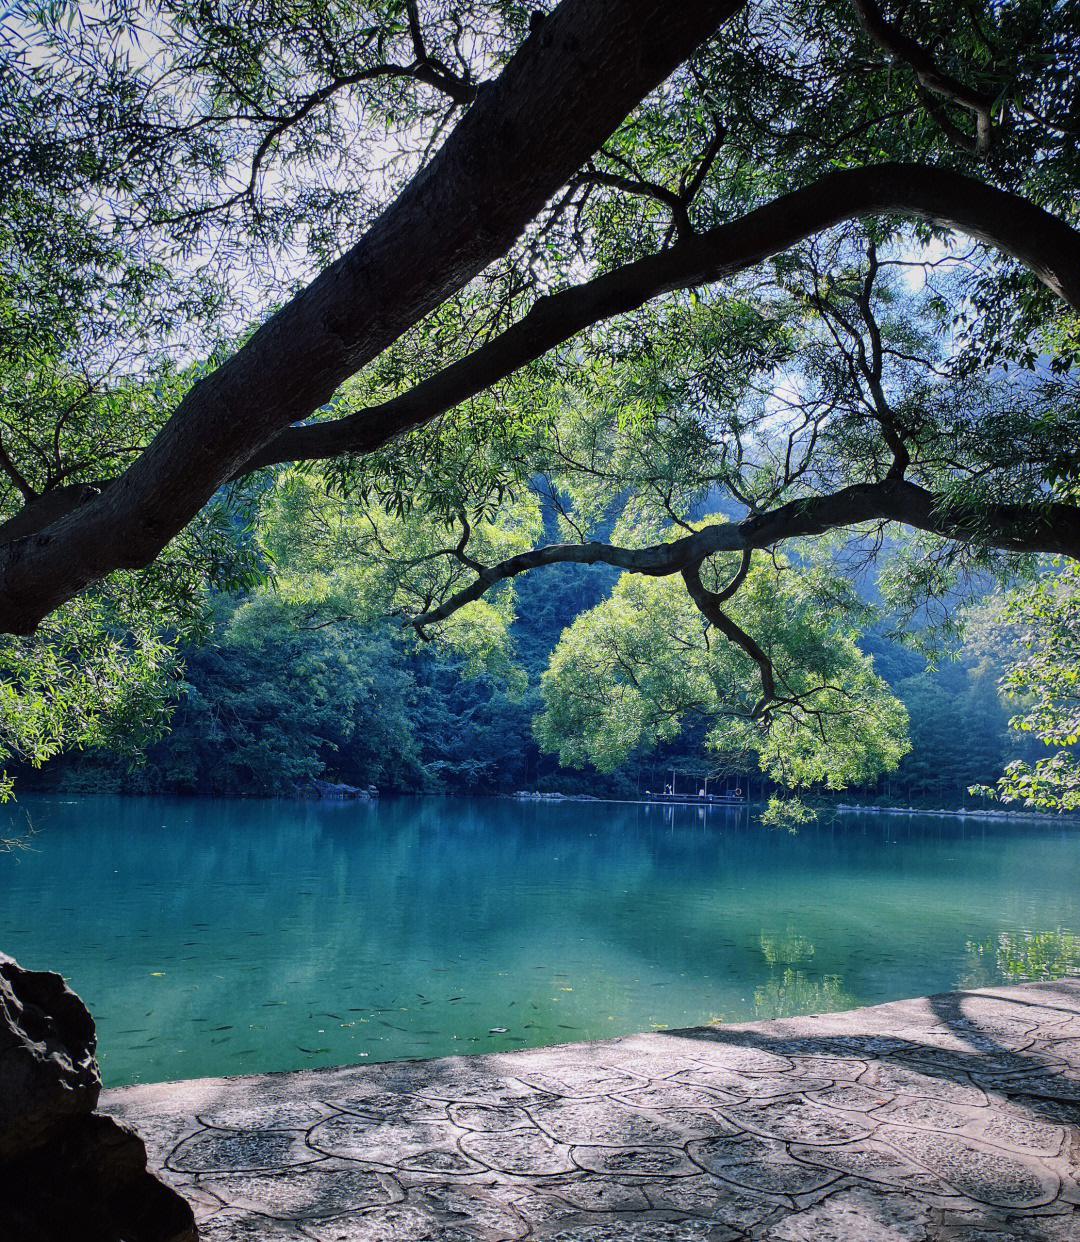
(498, 1030)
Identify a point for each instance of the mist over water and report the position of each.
(228, 937)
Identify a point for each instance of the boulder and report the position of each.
(67, 1173)
(48, 1068)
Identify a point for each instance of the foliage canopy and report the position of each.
(339, 297)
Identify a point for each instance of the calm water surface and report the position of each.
(213, 937)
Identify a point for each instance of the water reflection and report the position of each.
(1023, 957)
(229, 937)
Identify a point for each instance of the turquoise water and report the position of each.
(213, 937)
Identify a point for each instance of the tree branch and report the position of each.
(1046, 245)
(429, 72)
(1050, 528)
(559, 97)
(13, 473)
(675, 203)
(708, 604)
(888, 36)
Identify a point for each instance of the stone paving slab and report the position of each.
(952, 1117)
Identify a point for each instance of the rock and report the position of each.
(48, 1068)
(328, 789)
(67, 1172)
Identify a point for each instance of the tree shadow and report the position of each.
(965, 1107)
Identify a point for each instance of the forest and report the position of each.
(263, 706)
(465, 397)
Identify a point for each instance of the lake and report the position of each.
(231, 937)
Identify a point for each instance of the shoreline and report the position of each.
(1040, 817)
(945, 1116)
(845, 808)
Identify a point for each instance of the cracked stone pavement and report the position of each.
(948, 1117)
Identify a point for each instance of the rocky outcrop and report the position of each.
(47, 1062)
(328, 789)
(66, 1172)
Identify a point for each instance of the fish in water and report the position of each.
(498, 1030)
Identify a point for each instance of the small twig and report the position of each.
(15, 475)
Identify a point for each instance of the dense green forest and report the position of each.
(265, 706)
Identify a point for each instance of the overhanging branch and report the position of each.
(1050, 528)
(526, 134)
(1046, 245)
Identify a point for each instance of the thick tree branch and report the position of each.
(1048, 246)
(563, 92)
(1049, 528)
(1043, 243)
(42, 511)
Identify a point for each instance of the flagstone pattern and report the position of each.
(952, 1117)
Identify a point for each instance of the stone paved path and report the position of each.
(950, 1117)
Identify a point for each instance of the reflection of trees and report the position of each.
(794, 991)
(1023, 957)
(783, 950)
